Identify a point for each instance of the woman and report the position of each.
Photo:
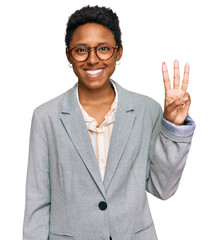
(96, 149)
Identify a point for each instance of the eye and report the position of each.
(81, 50)
(104, 48)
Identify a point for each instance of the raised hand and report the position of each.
(177, 100)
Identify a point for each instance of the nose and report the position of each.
(92, 59)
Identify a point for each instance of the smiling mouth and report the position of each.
(94, 73)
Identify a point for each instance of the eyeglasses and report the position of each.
(103, 52)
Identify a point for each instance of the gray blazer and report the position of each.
(65, 196)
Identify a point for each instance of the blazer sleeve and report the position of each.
(37, 202)
(167, 158)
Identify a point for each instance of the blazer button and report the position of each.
(102, 206)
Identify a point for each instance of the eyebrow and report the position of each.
(83, 44)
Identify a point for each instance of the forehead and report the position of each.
(91, 34)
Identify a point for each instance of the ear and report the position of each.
(119, 53)
(68, 55)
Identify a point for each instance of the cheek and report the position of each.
(111, 63)
(113, 66)
(76, 68)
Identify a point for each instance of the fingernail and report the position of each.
(163, 63)
(164, 67)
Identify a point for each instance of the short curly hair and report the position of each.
(101, 15)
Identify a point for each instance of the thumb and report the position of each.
(186, 98)
(172, 106)
(184, 101)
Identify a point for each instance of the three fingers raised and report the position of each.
(176, 85)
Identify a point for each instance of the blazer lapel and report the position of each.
(75, 126)
(124, 119)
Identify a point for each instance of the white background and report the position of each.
(34, 69)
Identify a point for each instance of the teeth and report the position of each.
(94, 72)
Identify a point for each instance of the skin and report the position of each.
(177, 100)
(96, 94)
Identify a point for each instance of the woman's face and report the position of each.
(91, 35)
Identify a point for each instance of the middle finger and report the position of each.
(176, 75)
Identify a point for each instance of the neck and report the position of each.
(95, 96)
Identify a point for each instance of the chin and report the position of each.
(93, 83)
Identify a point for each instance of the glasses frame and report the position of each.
(95, 49)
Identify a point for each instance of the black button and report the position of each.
(102, 205)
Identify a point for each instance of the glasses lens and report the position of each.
(80, 53)
(105, 52)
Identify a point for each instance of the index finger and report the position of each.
(185, 77)
(166, 79)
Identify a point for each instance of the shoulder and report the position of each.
(52, 106)
(144, 100)
(139, 100)
(145, 105)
